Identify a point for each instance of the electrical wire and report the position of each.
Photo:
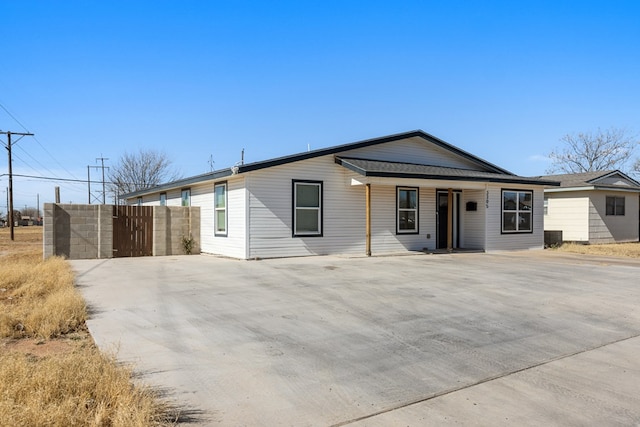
(6, 110)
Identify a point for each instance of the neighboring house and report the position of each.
(593, 207)
(404, 192)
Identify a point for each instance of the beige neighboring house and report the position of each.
(593, 207)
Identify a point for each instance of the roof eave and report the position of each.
(592, 188)
(434, 177)
(181, 183)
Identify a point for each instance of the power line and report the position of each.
(29, 166)
(83, 181)
(37, 141)
(8, 147)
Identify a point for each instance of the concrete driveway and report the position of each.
(528, 338)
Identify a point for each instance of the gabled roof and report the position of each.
(371, 142)
(592, 181)
(249, 167)
(377, 168)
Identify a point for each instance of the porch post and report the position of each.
(450, 220)
(367, 196)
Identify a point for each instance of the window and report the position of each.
(139, 201)
(220, 209)
(615, 205)
(407, 207)
(186, 197)
(546, 206)
(517, 208)
(307, 208)
(163, 199)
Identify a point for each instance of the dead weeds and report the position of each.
(51, 373)
(626, 250)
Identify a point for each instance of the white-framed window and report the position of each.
(546, 206)
(517, 211)
(139, 201)
(307, 208)
(615, 205)
(163, 199)
(407, 210)
(186, 197)
(220, 209)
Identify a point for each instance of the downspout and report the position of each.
(450, 220)
(367, 196)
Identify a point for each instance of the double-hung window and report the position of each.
(163, 199)
(307, 208)
(407, 210)
(220, 208)
(186, 197)
(517, 211)
(615, 206)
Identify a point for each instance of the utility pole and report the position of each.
(93, 197)
(104, 191)
(8, 147)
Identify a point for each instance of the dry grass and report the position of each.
(71, 383)
(82, 388)
(628, 250)
(38, 298)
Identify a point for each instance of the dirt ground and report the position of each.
(29, 240)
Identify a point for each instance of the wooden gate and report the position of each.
(132, 231)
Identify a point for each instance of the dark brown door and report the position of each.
(443, 218)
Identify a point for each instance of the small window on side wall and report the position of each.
(517, 211)
(307, 208)
(407, 210)
(186, 197)
(220, 209)
(163, 199)
(139, 201)
(615, 206)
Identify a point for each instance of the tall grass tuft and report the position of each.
(37, 297)
(79, 388)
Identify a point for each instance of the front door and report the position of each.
(442, 202)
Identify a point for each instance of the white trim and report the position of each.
(591, 188)
(416, 211)
(216, 209)
(318, 209)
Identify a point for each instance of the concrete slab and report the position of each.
(523, 338)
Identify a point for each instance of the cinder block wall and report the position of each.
(78, 231)
(173, 223)
(86, 231)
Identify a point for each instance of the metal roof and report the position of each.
(377, 168)
(248, 167)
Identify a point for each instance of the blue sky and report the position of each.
(502, 80)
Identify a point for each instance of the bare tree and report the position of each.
(593, 151)
(635, 169)
(141, 170)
